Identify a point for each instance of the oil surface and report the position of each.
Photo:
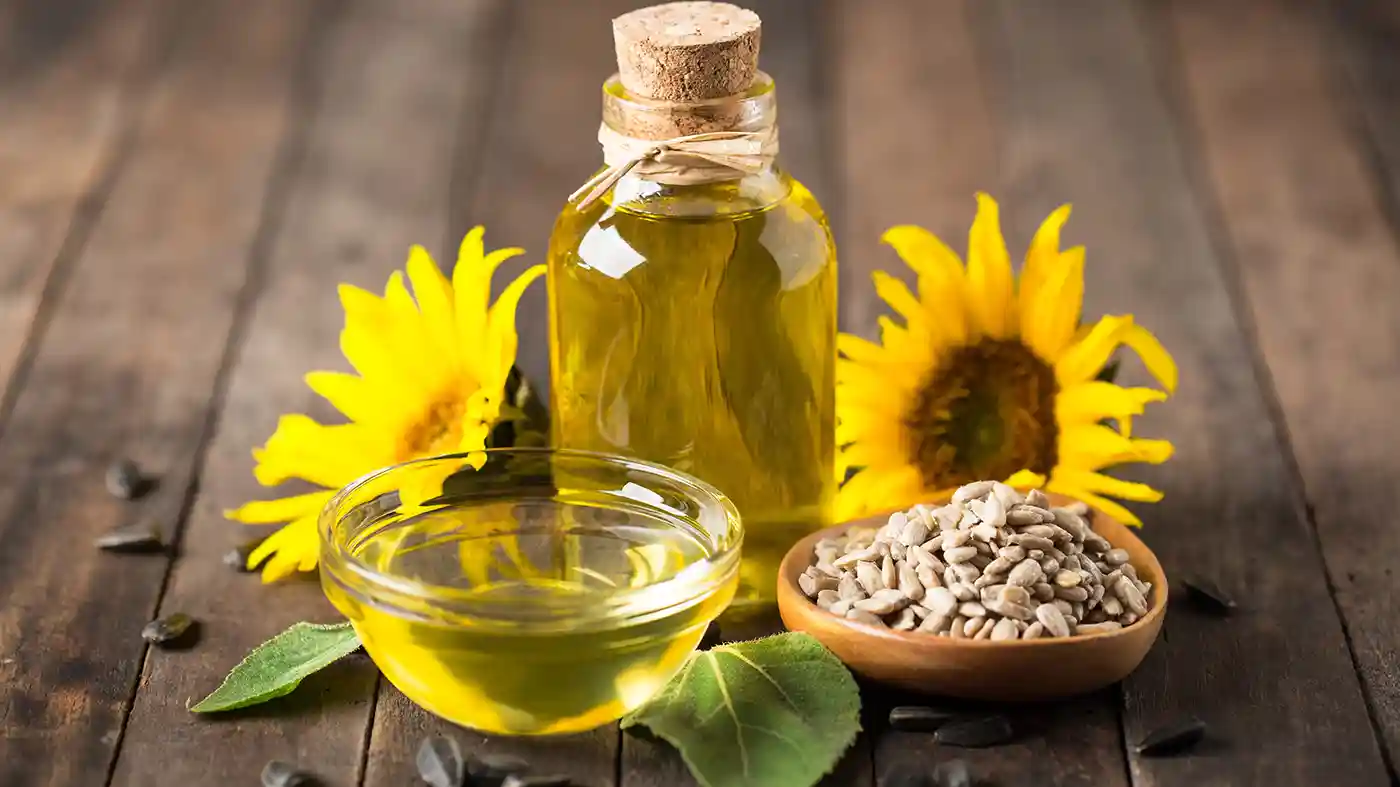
(539, 661)
(699, 332)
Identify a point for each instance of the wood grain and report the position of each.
(68, 100)
(126, 367)
(525, 142)
(915, 139)
(386, 85)
(1319, 265)
(1086, 123)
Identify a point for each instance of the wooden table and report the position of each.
(182, 185)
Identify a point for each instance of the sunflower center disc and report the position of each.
(986, 412)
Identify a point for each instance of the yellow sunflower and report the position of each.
(988, 379)
(432, 371)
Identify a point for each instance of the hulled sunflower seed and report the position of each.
(959, 554)
(1037, 498)
(883, 602)
(1127, 592)
(848, 587)
(1172, 738)
(869, 577)
(1052, 619)
(861, 616)
(825, 598)
(1116, 557)
(440, 762)
(962, 591)
(972, 491)
(1098, 628)
(909, 582)
(889, 575)
(237, 558)
(904, 620)
(975, 733)
(986, 631)
(1026, 573)
(842, 606)
(1033, 631)
(283, 774)
(1005, 629)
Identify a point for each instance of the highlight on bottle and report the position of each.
(530, 590)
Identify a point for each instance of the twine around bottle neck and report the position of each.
(706, 157)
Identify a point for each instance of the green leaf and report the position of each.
(275, 667)
(774, 712)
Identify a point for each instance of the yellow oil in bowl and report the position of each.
(542, 592)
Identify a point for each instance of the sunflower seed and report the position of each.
(281, 774)
(990, 511)
(1014, 553)
(1072, 594)
(869, 577)
(843, 606)
(984, 532)
(1037, 498)
(1049, 566)
(124, 480)
(935, 624)
(972, 626)
(904, 620)
(1172, 738)
(521, 780)
(986, 631)
(928, 577)
(1117, 557)
(1005, 629)
(1111, 606)
(972, 609)
(1031, 542)
(1033, 631)
(959, 554)
(807, 583)
(909, 582)
(440, 762)
(914, 533)
(1043, 591)
(848, 587)
(972, 491)
(174, 630)
(958, 627)
(963, 591)
(975, 733)
(826, 598)
(883, 602)
(1026, 573)
(1208, 596)
(237, 558)
(889, 575)
(851, 558)
(1052, 619)
(1067, 579)
(919, 718)
(1098, 628)
(1132, 598)
(940, 601)
(861, 616)
(1128, 618)
(140, 538)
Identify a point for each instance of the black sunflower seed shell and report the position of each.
(281, 774)
(919, 718)
(440, 762)
(124, 480)
(1172, 738)
(140, 538)
(237, 558)
(975, 732)
(1208, 596)
(172, 630)
(517, 780)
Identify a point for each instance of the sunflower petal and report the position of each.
(989, 278)
(896, 293)
(435, 302)
(1083, 360)
(471, 283)
(329, 456)
(261, 512)
(1097, 400)
(358, 398)
(1025, 479)
(1040, 257)
(377, 344)
(502, 338)
(1054, 311)
(295, 547)
(942, 278)
(1102, 484)
(1101, 503)
(1094, 446)
(860, 350)
(1154, 356)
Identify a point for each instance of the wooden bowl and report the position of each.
(1013, 671)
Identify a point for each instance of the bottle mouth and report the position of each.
(644, 118)
(494, 539)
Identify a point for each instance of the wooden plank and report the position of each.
(69, 91)
(1366, 40)
(126, 367)
(918, 141)
(1085, 122)
(389, 82)
(1306, 225)
(539, 128)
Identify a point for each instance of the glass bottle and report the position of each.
(694, 324)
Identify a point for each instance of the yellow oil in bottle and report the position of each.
(534, 642)
(694, 326)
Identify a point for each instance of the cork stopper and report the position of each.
(687, 52)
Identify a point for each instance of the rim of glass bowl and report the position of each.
(447, 604)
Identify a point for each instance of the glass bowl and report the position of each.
(530, 590)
